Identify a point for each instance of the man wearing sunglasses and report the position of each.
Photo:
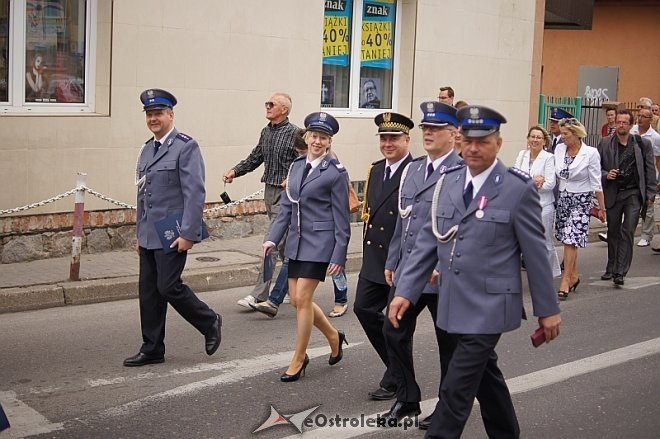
(275, 150)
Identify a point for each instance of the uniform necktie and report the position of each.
(467, 195)
(156, 146)
(388, 172)
(308, 166)
(429, 171)
(554, 143)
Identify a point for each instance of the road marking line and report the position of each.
(24, 420)
(520, 384)
(632, 283)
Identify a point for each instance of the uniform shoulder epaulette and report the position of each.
(422, 157)
(333, 161)
(453, 168)
(184, 137)
(149, 140)
(524, 176)
(300, 157)
(377, 161)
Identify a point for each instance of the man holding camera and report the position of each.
(628, 175)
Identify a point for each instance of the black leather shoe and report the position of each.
(425, 423)
(606, 276)
(142, 359)
(382, 394)
(618, 279)
(342, 339)
(285, 378)
(400, 410)
(213, 337)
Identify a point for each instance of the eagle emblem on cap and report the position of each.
(150, 93)
(387, 117)
(322, 116)
(429, 106)
(474, 113)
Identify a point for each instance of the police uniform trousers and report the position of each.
(622, 218)
(272, 196)
(400, 347)
(160, 284)
(370, 301)
(473, 372)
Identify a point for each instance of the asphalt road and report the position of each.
(61, 374)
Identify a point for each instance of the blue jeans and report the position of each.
(281, 288)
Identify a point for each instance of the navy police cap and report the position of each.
(393, 123)
(437, 114)
(322, 122)
(157, 99)
(479, 121)
(557, 114)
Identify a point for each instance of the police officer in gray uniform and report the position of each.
(483, 216)
(170, 180)
(439, 125)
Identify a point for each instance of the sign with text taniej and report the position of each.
(377, 33)
(337, 32)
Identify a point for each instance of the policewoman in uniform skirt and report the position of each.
(315, 213)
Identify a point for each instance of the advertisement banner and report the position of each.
(377, 33)
(337, 32)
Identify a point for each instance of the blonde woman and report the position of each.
(540, 164)
(577, 165)
(315, 214)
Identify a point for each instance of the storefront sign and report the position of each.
(377, 33)
(337, 32)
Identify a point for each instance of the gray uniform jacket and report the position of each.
(416, 193)
(174, 183)
(316, 215)
(480, 286)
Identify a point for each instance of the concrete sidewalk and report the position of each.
(212, 265)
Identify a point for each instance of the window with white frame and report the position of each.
(45, 60)
(359, 77)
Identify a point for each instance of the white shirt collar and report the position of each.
(162, 139)
(479, 179)
(315, 162)
(437, 161)
(395, 166)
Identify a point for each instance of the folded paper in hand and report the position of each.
(169, 229)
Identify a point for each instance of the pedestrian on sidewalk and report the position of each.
(281, 288)
(628, 178)
(275, 150)
(170, 181)
(315, 210)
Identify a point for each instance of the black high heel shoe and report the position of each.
(286, 378)
(572, 288)
(342, 339)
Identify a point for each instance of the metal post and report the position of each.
(78, 213)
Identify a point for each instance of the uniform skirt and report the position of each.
(308, 270)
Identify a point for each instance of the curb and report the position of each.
(120, 288)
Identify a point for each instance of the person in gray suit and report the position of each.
(315, 214)
(439, 125)
(628, 178)
(483, 216)
(170, 183)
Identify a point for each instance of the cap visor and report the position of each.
(434, 124)
(156, 107)
(320, 130)
(392, 133)
(477, 132)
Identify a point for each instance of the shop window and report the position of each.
(46, 59)
(360, 77)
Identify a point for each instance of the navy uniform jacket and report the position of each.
(174, 183)
(382, 204)
(480, 289)
(324, 229)
(416, 193)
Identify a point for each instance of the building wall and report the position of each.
(623, 35)
(222, 59)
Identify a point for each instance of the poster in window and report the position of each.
(377, 33)
(337, 32)
(370, 93)
(327, 91)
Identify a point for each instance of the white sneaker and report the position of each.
(286, 299)
(602, 236)
(642, 243)
(246, 301)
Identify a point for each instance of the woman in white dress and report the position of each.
(540, 164)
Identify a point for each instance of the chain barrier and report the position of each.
(116, 202)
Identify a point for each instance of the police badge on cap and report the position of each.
(438, 114)
(322, 122)
(157, 99)
(393, 123)
(558, 114)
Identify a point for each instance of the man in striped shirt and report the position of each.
(275, 150)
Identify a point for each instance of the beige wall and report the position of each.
(625, 36)
(223, 59)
